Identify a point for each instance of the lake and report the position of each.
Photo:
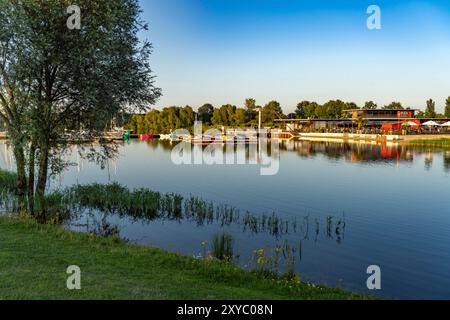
(343, 207)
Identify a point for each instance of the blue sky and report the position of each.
(223, 51)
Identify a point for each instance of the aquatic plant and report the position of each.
(222, 247)
(8, 181)
(289, 262)
(147, 205)
(267, 263)
(103, 228)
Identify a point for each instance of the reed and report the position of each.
(147, 205)
(222, 247)
(8, 181)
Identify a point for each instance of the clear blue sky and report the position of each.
(223, 51)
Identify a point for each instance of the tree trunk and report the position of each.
(31, 174)
(21, 175)
(43, 168)
(42, 182)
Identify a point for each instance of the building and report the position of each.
(370, 119)
(381, 114)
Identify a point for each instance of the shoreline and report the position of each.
(35, 268)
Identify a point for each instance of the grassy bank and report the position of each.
(34, 259)
(441, 143)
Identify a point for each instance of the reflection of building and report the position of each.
(353, 152)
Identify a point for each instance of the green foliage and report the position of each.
(441, 143)
(370, 105)
(430, 111)
(300, 110)
(250, 104)
(251, 110)
(164, 121)
(271, 111)
(267, 264)
(447, 108)
(53, 78)
(351, 106)
(224, 116)
(205, 113)
(222, 247)
(241, 117)
(332, 109)
(420, 115)
(393, 106)
(8, 181)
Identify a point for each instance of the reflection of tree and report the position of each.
(447, 161)
(429, 160)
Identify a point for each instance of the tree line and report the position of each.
(172, 118)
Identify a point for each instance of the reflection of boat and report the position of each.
(220, 139)
(144, 137)
(116, 134)
(245, 139)
(165, 137)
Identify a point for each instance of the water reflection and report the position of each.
(447, 161)
(394, 197)
(354, 152)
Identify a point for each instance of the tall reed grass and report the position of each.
(222, 247)
(147, 205)
(8, 181)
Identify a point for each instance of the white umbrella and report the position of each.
(447, 124)
(412, 124)
(431, 124)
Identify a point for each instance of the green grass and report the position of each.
(34, 259)
(442, 143)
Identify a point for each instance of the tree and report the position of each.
(351, 106)
(250, 104)
(241, 117)
(394, 106)
(251, 109)
(310, 110)
(420, 115)
(430, 111)
(333, 109)
(205, 113)
(370, 105)
(300, 111)
(187, 117)
(224, 116)
(271, 111)
(447, 108)
(152, 119)
(64, 76)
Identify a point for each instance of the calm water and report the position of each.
(394, 201)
